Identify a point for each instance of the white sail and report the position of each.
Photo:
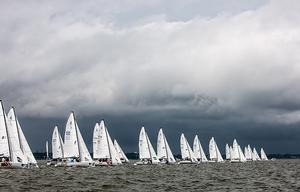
(219, 156)
(71, 141)
(250, 153)
(103, 148)
(57, 144)
(146, 150)
(47, 150)
(83, 151)
(120, 151)
(163, 148)
(256, 156)
(227, 152)
(235, 151)
(246, 152)
(212, 149)
(263, 155)
(214, 153)
(186, 150)
(115, 158)
(17, 154)
(241, 154)
(4, 146)
(152, 152)
(198, 150)
(230, 151)
(96, 141)
(25, 146)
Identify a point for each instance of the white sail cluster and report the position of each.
(73, 152)
(14, 148)
(235, 154)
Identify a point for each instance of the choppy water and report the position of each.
(280, 175)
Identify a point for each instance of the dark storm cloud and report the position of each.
(226, 68)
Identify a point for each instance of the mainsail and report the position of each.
(227, 152)
(198, 150)
(186, 150)
(105, 148)
(57, 145)
(4, 145)
(235, 156)
(163, 148)
(71, 148)
(13, 132)
(96, 141)
(263, 155)
(214, 153)
(146, 150)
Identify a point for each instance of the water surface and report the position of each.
(280, 175)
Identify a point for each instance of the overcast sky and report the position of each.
(214, 68)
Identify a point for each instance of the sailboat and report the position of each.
(147, 154)
(227, 152)
(11, 154)
(237, 153)
(198, 150)
(104, 150)
(57, 149)
(214, 153)
(122, 155)
(75, 149)
(187, 153)
(255, 155)
(48, 160)
(248, 153)
(235, 156)
(164, 152)
(20, 151)
(263, 155)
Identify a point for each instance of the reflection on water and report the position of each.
(280, 175)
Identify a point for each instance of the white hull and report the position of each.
(13, 165)
(80, 164)
(187, 162)
(145, 163)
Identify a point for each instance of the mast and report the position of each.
(76, 135)
(8, 139)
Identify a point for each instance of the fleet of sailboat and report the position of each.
(104, 149)
(15, 151)
(14, 148)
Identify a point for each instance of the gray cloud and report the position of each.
(224, 61)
